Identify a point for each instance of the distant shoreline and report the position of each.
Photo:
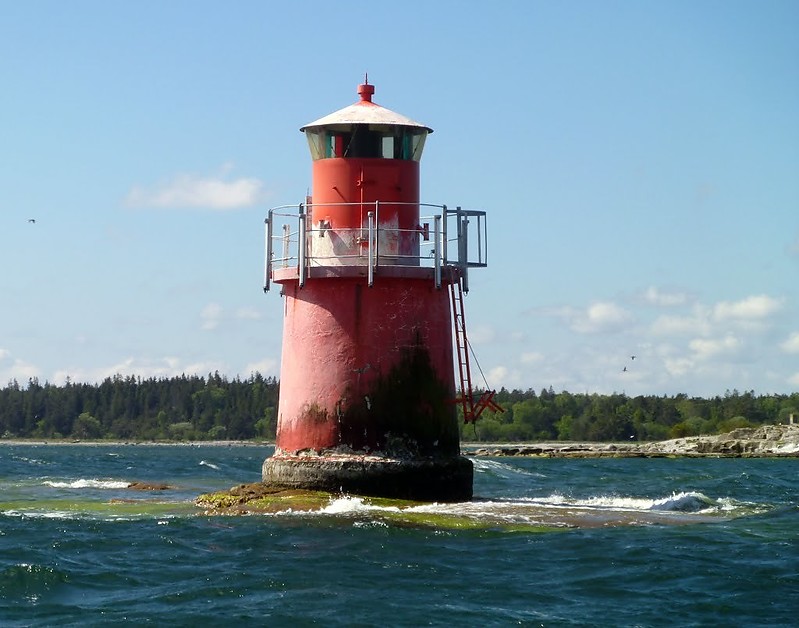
(778, 441)
(136, 443)
(766, 441)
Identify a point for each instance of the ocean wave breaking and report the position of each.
(557, 510)
(87, 483)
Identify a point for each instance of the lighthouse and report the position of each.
(372, 282)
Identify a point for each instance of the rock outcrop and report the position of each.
(763, 441)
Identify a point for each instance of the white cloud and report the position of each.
(791, 345)
(599, 317)
(265, 367)
(704, 320)
(752, 308)
(697, 323)
(191, 191)
(531, 357)
(704, 348)
(499, 376)
(248, 313)
(654, 296)
(211, 315)
(794, 379)
(480, 334)
(19, 370)
(678, 366)
(168, 366)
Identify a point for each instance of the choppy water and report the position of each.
(624, 542)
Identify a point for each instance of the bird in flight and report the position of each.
(32, 220)
(632, 357)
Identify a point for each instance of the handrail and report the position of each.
(290, 231)
(267, 251)
(302, 249)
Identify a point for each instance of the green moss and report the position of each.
(249, 498)
(441, 521)
(261, 499)
(100, 509)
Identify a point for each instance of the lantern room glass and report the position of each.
(366, 141)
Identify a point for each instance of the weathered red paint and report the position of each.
(346, 190)
(342, 338)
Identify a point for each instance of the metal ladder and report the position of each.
(471, 409)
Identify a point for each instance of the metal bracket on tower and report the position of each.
(471, 238)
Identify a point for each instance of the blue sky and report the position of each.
(639, 163)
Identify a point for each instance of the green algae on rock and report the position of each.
(260, 498)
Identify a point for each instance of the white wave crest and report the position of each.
(685, 502)
(555, 510)
(484, 465)
(204, 463)
(91, 483)
(688, 502)
(351, 505)
(33, 514)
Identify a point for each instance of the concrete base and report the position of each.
(427, 479)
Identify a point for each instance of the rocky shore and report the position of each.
(764, 441)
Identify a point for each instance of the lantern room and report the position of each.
(365, 157)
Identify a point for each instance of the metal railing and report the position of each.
(292, 230)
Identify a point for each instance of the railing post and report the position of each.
(444, 234)
(463, 249)
(436, 256)
(286, 244)
(301, 261)
(376, 233)
(371, 250)
(480, 226)
(268, 251)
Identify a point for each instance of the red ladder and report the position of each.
(471, 409)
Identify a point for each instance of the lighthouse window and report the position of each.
(401, 143)
(417, 145)
(388, 148)
(364, 143)
(360, 141)
(337, 144)
(316, 142)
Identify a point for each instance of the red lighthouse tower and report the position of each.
(368, 397)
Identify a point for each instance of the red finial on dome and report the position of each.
(365, 90)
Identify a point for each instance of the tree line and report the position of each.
(131, 408)
(214, 407)
(617, 417)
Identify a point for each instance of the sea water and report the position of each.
(607, 542)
